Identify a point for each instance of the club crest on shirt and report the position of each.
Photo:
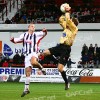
(64, 34)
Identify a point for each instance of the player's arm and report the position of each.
(62, 22)
(71, 23)
(66, 15)
(17, 40)
(41, 35)
(45, 32)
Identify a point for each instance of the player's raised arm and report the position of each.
(72, 24)
(17, 40)
(45, 32)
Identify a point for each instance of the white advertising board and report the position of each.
(52, 74)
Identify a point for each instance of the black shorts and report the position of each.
(61, 51)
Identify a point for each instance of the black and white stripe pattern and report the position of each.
(29, 43)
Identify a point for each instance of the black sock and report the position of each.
(64, 77)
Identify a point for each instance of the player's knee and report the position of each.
(33, 61)
(28, 71)
(60, 68)
(28, 74)
(46, 52)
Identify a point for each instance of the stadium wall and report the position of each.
(82, 26)
(88, 33)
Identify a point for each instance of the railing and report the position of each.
(11, 5)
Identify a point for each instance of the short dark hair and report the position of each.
(75, 20)
(30, 24)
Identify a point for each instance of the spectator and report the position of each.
(5, 64)
(7, 21)
(91, 64)
(24, 17)
(91, 56)
(1, 57)
(91, 59)
(96, 49)
(69, 62)
(91, 49)
(1, 62)
(22, 57)
(6, 57)
(79, 65)
(30, 16)
(84, 50)
(16, 59)
(96, 60)
(85, 59)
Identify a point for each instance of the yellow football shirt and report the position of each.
(70, 30)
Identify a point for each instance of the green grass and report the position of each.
(49, 91)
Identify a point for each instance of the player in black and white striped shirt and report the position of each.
(31, 40)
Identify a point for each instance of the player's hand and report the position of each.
(44, 30)
(12, 40)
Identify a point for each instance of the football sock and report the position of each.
(40, 66)
(64, 77)
(27, 82)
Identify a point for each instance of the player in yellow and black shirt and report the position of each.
(63, 49)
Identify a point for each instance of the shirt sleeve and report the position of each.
(20, 38)
(41, 33)
(71, 24)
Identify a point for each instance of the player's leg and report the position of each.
(27, 81)
(50, 51)
(28, 69)
(34, 62)
(62, 62)
(44, 53)
(63, 74)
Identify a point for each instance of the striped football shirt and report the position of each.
(30, 41)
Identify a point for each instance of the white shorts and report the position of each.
(28, 58)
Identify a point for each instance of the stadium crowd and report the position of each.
(47, 11)
(90, 57)
(4, 60)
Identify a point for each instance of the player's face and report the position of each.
(31, 27)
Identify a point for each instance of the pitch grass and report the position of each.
(49, 91)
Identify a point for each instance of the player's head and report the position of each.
(67, 7)
(75, 20)
(31, 27)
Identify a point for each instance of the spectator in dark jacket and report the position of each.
(16, 58)
(84, 49)
(22, 58)
(70, 62)
(7, 21)
(91, 49)
(96, 49)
